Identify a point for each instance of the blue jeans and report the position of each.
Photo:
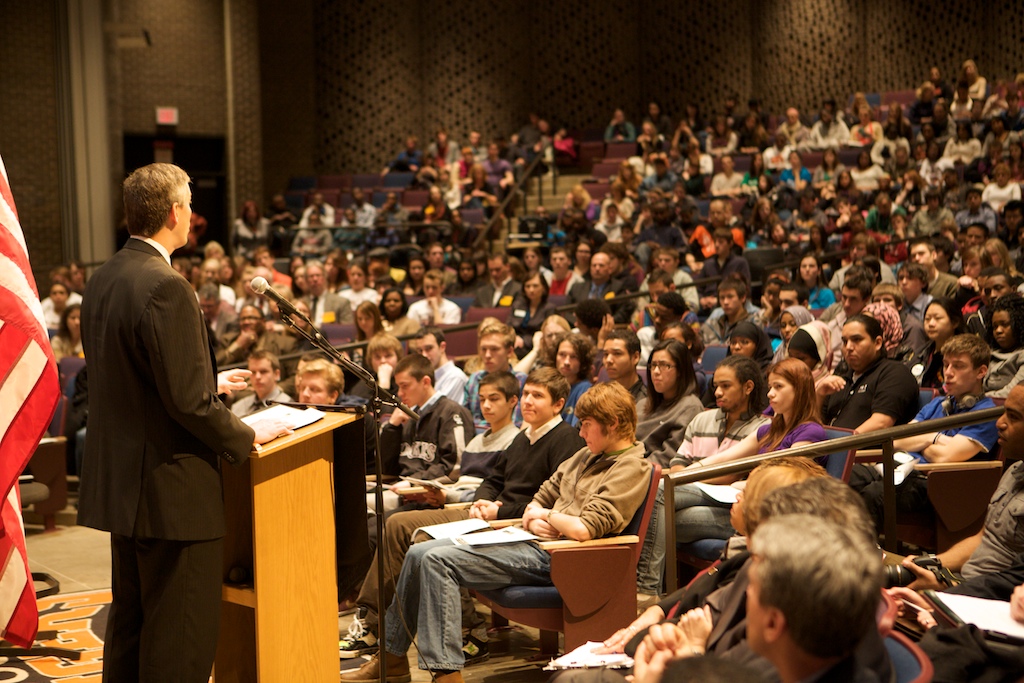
(651, 565)
(427, 594)
(700, 516)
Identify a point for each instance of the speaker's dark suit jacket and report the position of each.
(157, 430)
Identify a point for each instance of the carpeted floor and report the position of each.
(80, 620)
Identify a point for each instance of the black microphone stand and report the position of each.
(381, 397)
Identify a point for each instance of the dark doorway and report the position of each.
(203, 158)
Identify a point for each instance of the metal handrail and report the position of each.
(882, 437)
(499, 212)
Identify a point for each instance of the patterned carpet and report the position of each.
(80, 620)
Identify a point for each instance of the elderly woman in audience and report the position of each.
(68, 340)
(671, 401)
(1005, 325)
(1001, 190)
(394, 309)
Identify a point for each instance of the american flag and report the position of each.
(29, 390)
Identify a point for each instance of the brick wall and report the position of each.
(28, 125)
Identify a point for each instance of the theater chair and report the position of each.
(960, 493)
(594, 589)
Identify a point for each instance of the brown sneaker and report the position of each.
(397, 670)
(453, 677)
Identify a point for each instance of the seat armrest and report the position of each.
(592, 543)
(458, 506)
(869, 455)
(968, 466)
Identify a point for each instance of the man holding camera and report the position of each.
(1001, 539)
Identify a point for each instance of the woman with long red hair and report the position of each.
(795, 417)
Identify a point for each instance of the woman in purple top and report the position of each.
(795, 422)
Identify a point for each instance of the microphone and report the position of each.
(263, 288)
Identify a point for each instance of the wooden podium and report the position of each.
(279, 507)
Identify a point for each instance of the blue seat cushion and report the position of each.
(525, 597)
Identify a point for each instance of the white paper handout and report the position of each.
(449, 529)
(510, 534)
(583, 657)
(293, 417)
(988, 615)
(721, 493)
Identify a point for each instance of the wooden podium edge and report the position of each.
(329, 422)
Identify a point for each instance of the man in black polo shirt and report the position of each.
(875, 393)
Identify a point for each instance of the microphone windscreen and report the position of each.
(259, 284)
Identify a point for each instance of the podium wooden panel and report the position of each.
(283, 625)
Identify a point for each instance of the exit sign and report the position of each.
(166, 116)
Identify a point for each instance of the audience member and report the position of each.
(574, 360)
(266, 373)
(671, 401)
(449, 379)
(433, 309)
(495, 343)
(394, 309)
(620, 357)
(67, 342)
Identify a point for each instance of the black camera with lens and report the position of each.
(898, 575)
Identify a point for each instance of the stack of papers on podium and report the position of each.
(292, 417)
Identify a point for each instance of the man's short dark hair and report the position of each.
(504, 381)
(859, 278)
(735, 283)
(994, 271)
(945, 245)
(803, 295)
(628, 336)
(552, 381)
(979, 226)
(915, 271)
(591, 312)
(921, 240)
(1013, 205)
(674, 302)
(417, 366)
(263, 354)
(431, 331)
(661, 277)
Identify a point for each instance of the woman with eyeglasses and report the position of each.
(671, 402)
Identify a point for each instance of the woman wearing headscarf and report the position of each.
(812, 344)
(892, 330)
(747, 339)
(789, 321)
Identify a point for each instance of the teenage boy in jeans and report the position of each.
(517, 473)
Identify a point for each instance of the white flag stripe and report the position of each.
(12, 584)
(13, 279)
(19, 384)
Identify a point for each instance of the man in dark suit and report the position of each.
(502, 289)
(601, 285)
(151, 473)
(325, 307)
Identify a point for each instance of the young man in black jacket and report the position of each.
(518, 472)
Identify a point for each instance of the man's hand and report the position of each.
(607, 325)
(708, 302)
(925, 579)
(649, 665)
(268, 430)
(696, 626)
(230, 381)
(431, 496)
(486, 510)
(398, 418)
(535, 521)
(1017, 604)
(830, 385)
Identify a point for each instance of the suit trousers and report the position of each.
(165, 614)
